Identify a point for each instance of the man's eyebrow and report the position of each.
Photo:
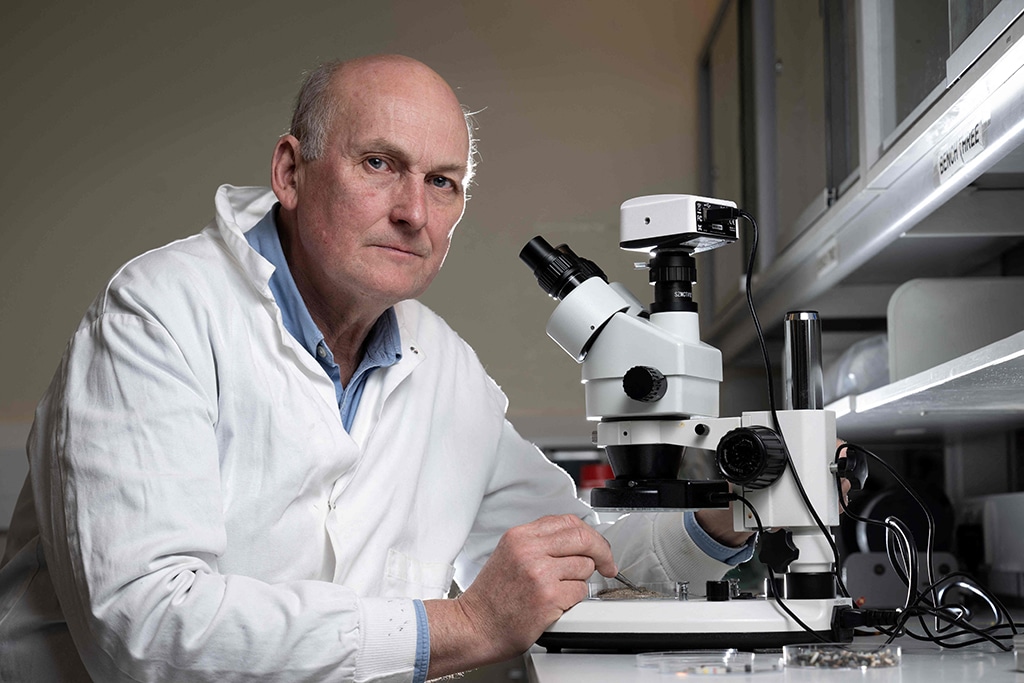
(387, 147)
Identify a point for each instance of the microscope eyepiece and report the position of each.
(558, 270)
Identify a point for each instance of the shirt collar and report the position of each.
(384, 344)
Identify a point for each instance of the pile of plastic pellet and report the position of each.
(844, 659)
(627, 594)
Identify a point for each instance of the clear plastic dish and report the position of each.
(842, 656)
(708, 662)
(658, 590)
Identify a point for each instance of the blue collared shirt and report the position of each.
(383, 345)
(383, 349)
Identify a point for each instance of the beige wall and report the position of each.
(119, 123)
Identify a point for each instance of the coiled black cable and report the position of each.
(951, 629)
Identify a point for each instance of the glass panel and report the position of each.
(724, 73)
(841, 92)
(800, 112)
(719, 270)
(965, 16)
(915, 50)
(973, 26)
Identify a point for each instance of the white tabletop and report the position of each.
(922, 663)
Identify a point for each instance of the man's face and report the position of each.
(374, 215)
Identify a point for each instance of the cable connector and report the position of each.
(723, 213)
(868, 618)
(723, 497)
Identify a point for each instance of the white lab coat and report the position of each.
(201, 514)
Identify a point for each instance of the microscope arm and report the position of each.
(694, 432)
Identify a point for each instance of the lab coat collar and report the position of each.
(412, 353)
(241, 208)
(238, 210)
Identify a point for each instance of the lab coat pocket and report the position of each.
(408, 577)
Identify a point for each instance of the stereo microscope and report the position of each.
(652, 387)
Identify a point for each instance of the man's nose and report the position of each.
(410, 206)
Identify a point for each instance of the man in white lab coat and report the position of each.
(261, 458)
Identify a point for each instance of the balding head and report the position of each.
(367, 216)
(329, 89)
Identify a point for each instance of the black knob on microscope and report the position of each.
(752, 456)
(854, 467)
(717, 591)
(644, 383)
(777, 550)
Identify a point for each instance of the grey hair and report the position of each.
(311, 118)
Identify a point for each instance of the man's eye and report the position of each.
(376, 163)
(442, 182)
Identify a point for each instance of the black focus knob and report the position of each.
(644, 383)
(751, 456)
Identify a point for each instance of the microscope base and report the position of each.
(646, 625)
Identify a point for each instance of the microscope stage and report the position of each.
(654, 624)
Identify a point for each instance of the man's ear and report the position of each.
(284, 171)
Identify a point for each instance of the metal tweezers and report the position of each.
(627, 582)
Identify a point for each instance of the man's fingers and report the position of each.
(567, 535)
(588, 543)
(573, 567)
(553, 524)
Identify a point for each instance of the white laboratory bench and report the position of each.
(922, 663)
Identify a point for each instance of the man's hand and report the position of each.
(538, 571)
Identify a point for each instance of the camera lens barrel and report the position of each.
(673, 272)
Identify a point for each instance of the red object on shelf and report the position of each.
(595, 475)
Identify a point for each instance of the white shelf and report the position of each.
(978, 392)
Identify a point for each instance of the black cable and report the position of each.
(900, 547)
(929, 518)
(983, 635)
(890, 532)
(771, 575)
(1001, 612)
(772, 406)
(902, 552)
(899, 538)
(926, 602)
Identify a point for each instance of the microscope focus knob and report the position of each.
(751, 456)
(644, 383)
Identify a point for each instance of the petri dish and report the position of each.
(657, 590)
(708, 662)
